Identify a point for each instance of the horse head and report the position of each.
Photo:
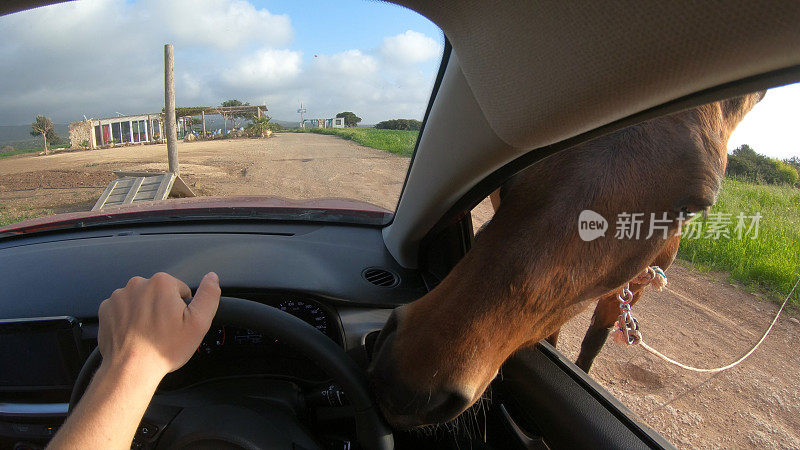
(531, 270)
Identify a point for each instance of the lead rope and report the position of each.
(628, 327)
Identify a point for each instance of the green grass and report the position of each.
(14, 215)
(20, 151)
(771, 262)
(399, 142)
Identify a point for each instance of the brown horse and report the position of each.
(436, 356)
(607, 310)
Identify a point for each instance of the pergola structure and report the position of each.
(225, 111)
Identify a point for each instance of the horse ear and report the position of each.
(734, 109)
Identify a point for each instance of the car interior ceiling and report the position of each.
(559, 98)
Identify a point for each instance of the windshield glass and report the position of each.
(296, 100)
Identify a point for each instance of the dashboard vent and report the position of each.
(380, 277)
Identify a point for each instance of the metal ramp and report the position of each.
(134, 187)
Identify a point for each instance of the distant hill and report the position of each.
(286, 123)
(19, 136)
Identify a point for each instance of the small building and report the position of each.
(139, 129)
(336, 122)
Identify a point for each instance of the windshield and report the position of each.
(296, 100)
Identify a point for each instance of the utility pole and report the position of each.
(169, 108)
(301, 111)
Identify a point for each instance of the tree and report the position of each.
(399, 124)
(794, 161)
(259, 126)
(237, 115)
(785, 173)
(43, 126)
(746, 163)
(350, 118)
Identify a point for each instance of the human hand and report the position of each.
(148, 325)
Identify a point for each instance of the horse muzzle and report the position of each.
(405, 403)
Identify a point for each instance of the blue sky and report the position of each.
(333, 26)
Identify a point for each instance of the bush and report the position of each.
(7, 149)
(259, 126)
(794, 161)
(746, 164)
(784, 173)
(400, 124)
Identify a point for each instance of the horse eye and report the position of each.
(689, 211)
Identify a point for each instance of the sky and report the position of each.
(99, 58)
(772, 127)
(102, 57)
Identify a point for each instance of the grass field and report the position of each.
(20, 151)
(10, 215)
(399, 142)
(771, 262)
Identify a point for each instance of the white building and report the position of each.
(336, 122)
(127, 129)
(121, 130)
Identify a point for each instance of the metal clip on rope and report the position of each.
(627, 325)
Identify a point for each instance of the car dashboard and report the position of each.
(338, 278)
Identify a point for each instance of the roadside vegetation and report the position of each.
(8, 151)
(9, 215)
(771, 261)
(399, 142)
(745, 163)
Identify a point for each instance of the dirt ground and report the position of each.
(698, 319)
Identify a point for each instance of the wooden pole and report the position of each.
(203, 113)
(169, 103)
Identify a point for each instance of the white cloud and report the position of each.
(350, 63)
(225, 24)
(409, 48)
(189, 86)
(264, 68)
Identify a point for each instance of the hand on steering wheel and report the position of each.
(149, 325)
(139, 330)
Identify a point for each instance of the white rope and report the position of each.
(733, 364)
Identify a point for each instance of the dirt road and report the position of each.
(287, 165)
(699, 319)
(703, 321)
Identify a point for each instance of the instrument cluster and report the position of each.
(228, 350)
(224, 337)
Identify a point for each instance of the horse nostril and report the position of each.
(448, 405)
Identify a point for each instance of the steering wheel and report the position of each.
(204, 418)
